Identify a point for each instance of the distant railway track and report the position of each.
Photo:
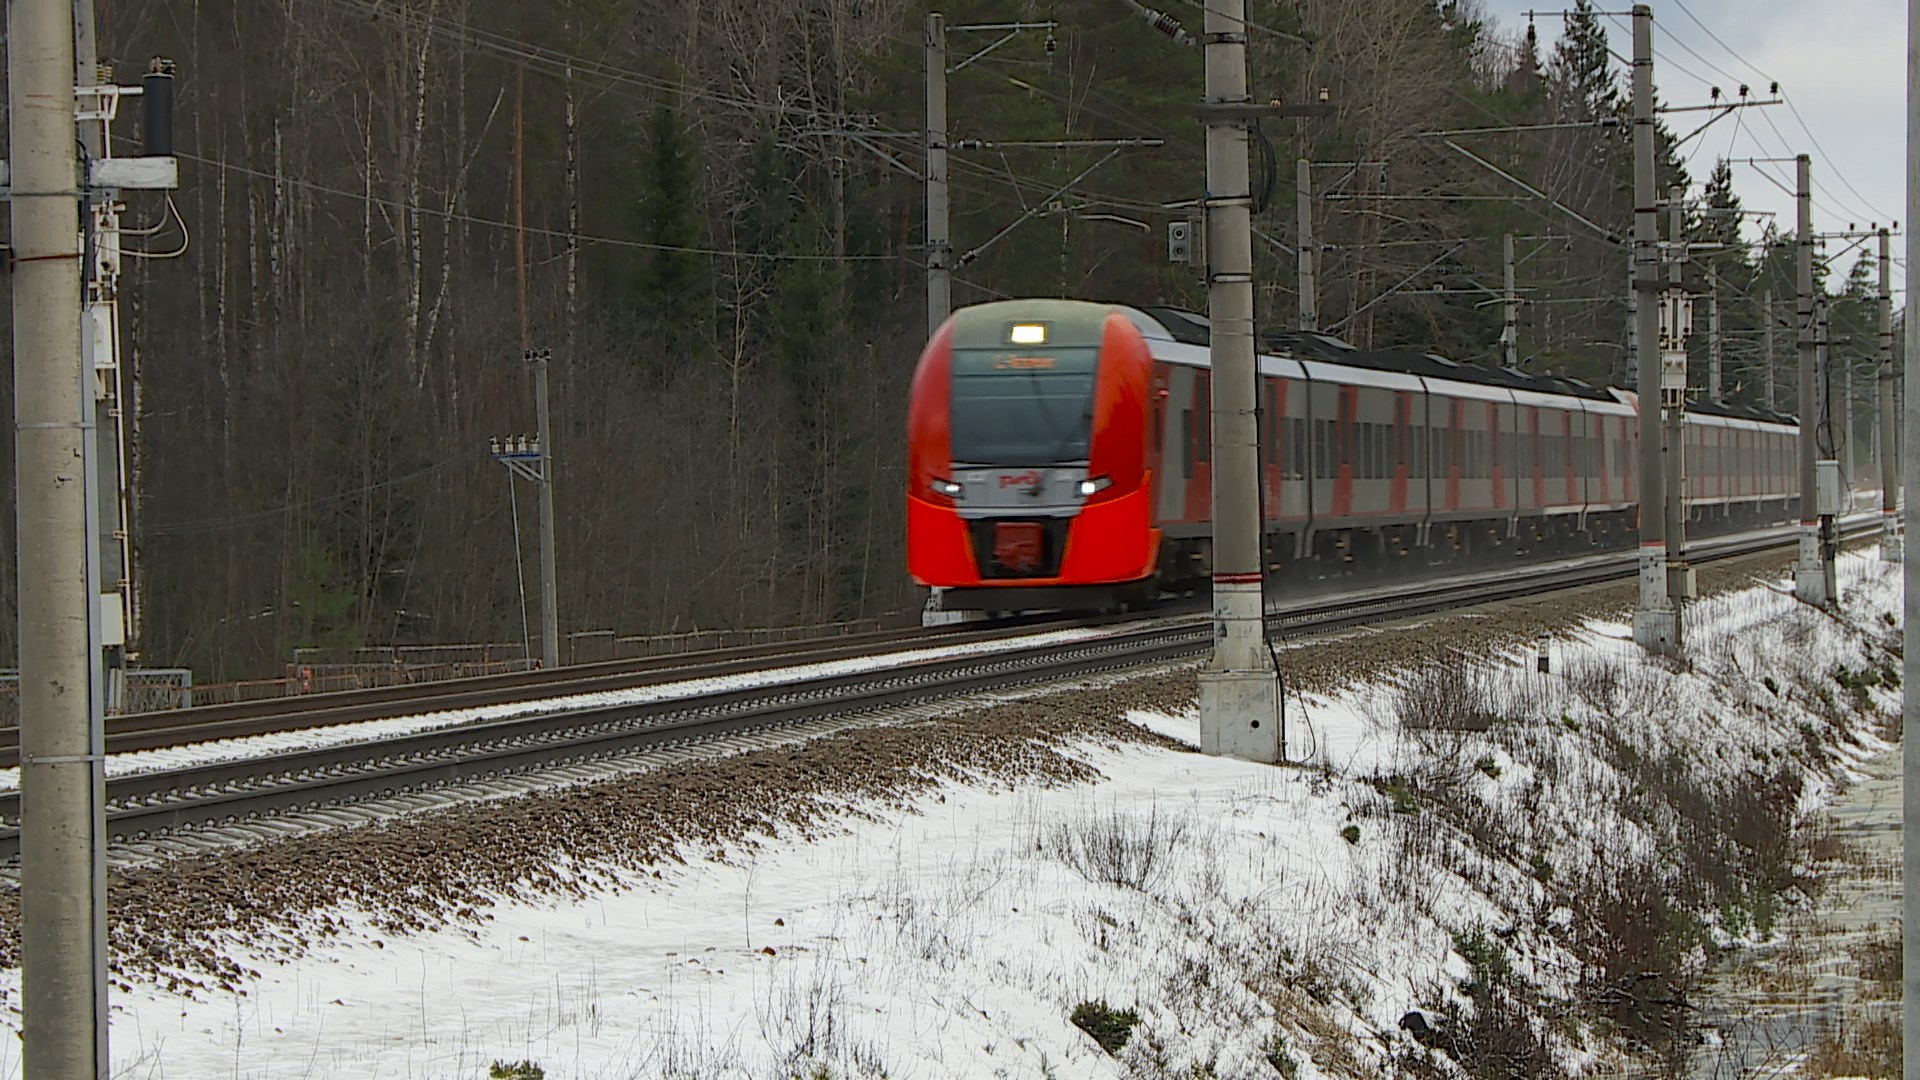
(179, 727)
(160, 802)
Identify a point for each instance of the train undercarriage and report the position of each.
(1312, 559)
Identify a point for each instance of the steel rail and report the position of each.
(162, 801)
(176, 727)
(231, 791)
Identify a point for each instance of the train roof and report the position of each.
(1741, 412)
(1192, 328)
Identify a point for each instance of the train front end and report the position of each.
(1028, 484)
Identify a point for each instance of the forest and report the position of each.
(712, 213)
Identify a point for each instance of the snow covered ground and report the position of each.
(1259, 921)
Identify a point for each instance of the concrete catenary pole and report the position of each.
(549, 577)
(1823, 382)
(1810, 575)
(939, 241)
(1833, 455)
(1843, 424)
(1656, 625)
(1910, 718)
(1890, 547)
(59, 772)
(1510, 309)
(103, 473)
(1239, 688)
(1631, 375)
(1713, 332)
(109, 525)
(939, 227)
(1303, 218)
(1766, 345)
(1674, 416)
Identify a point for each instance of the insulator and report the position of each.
(156, 109)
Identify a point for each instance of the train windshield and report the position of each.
(1022, 408)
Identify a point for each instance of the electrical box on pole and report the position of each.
(1676, 326)
(1831, 487)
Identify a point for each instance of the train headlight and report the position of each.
(948, 488)
(1093, 486)
(1027, 334)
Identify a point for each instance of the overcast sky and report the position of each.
(1842, 63)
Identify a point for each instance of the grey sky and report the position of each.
(1842, 63)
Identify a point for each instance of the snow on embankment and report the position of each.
(1479, 867)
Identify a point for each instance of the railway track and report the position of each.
(161, 802)
(179, 727)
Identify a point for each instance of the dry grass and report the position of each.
(1445, 697)
(1129, 850)
(1870, 1047)
(1878, 962)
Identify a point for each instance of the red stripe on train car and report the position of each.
(1538, 466)
(1199, 500)
(1274, 474)
(1402, 431)
(1566, 447)
(1494, 472)
(1343, 439)
(1452, 437)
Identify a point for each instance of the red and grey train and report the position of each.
(1058, 458)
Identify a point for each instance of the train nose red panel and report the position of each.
(1019, 546)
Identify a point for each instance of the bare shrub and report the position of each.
(680, 1054)
(1640, 948)
(1127, 850)
(801, 1018)
(1491, 1033)
(1599, 681)
(1421, 844)
(1446, 697)
(1881, 963)
(1858, 1047)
